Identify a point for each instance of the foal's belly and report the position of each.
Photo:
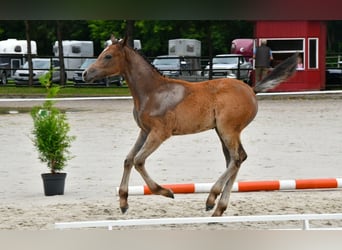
(194, 124)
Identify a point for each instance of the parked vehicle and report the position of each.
(190, 51)
(230, 66)
(243, 46)
(78, 79)
(74, 53)
(13, 54)
(40, 67)
(185, 47)
(169, 65)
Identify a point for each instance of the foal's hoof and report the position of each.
(209, 207)
(169, 194)
(124, 209)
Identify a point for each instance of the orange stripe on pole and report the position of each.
(176, 188)
(316, 183)
(258, 186)
(250, 186)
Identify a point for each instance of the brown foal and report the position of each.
(164, 107)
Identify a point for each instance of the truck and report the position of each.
(13, 54)
(243, 46)
(190, 52)
(75, 52)
(182, 60)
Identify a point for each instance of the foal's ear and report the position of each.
(113, 39)
(123, 41)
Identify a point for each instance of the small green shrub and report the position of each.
(50, 130)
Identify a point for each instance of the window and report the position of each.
(286, 45)
(76, 49)
(17, 48)
(15, 64)
(313, 53)
(55, 63)
(283, 48)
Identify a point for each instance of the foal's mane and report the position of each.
(139, 52)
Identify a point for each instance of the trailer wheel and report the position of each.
(3, 78)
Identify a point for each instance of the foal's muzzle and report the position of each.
(84, 75)
(87, 76)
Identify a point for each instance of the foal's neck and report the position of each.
(140, 76)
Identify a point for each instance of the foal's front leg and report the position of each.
(123, 190)
(153, 141)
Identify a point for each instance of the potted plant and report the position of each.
(50, 137)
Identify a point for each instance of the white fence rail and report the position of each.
(325, 92)
(305, 218)
(66, 99)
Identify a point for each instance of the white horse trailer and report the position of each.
(185, 47)
(190, 50)
(13, 54)
(74, 52)
(136, 44)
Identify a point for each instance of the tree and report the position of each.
(334, 37)
(154, 34)
(101, 30)
(60, 52)
(29, 52)
(130, 32)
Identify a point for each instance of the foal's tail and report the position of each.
(279, 74)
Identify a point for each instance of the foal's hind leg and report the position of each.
(226, 180)
(224, 199)
(217, 187)
(123, 190)
(238, 156)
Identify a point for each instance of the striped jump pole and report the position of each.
(245, 186)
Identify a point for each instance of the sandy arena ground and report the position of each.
(289, 139)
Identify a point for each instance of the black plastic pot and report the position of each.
(54, 183)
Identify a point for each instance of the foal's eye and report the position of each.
(108, 57)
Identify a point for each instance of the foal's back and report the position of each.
(219, 102)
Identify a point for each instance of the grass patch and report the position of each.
(25, 91)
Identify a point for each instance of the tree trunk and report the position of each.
(29, 52)
(129, 32)
(60, 53)
(210, 49)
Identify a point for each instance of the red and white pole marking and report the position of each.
(245, 186)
